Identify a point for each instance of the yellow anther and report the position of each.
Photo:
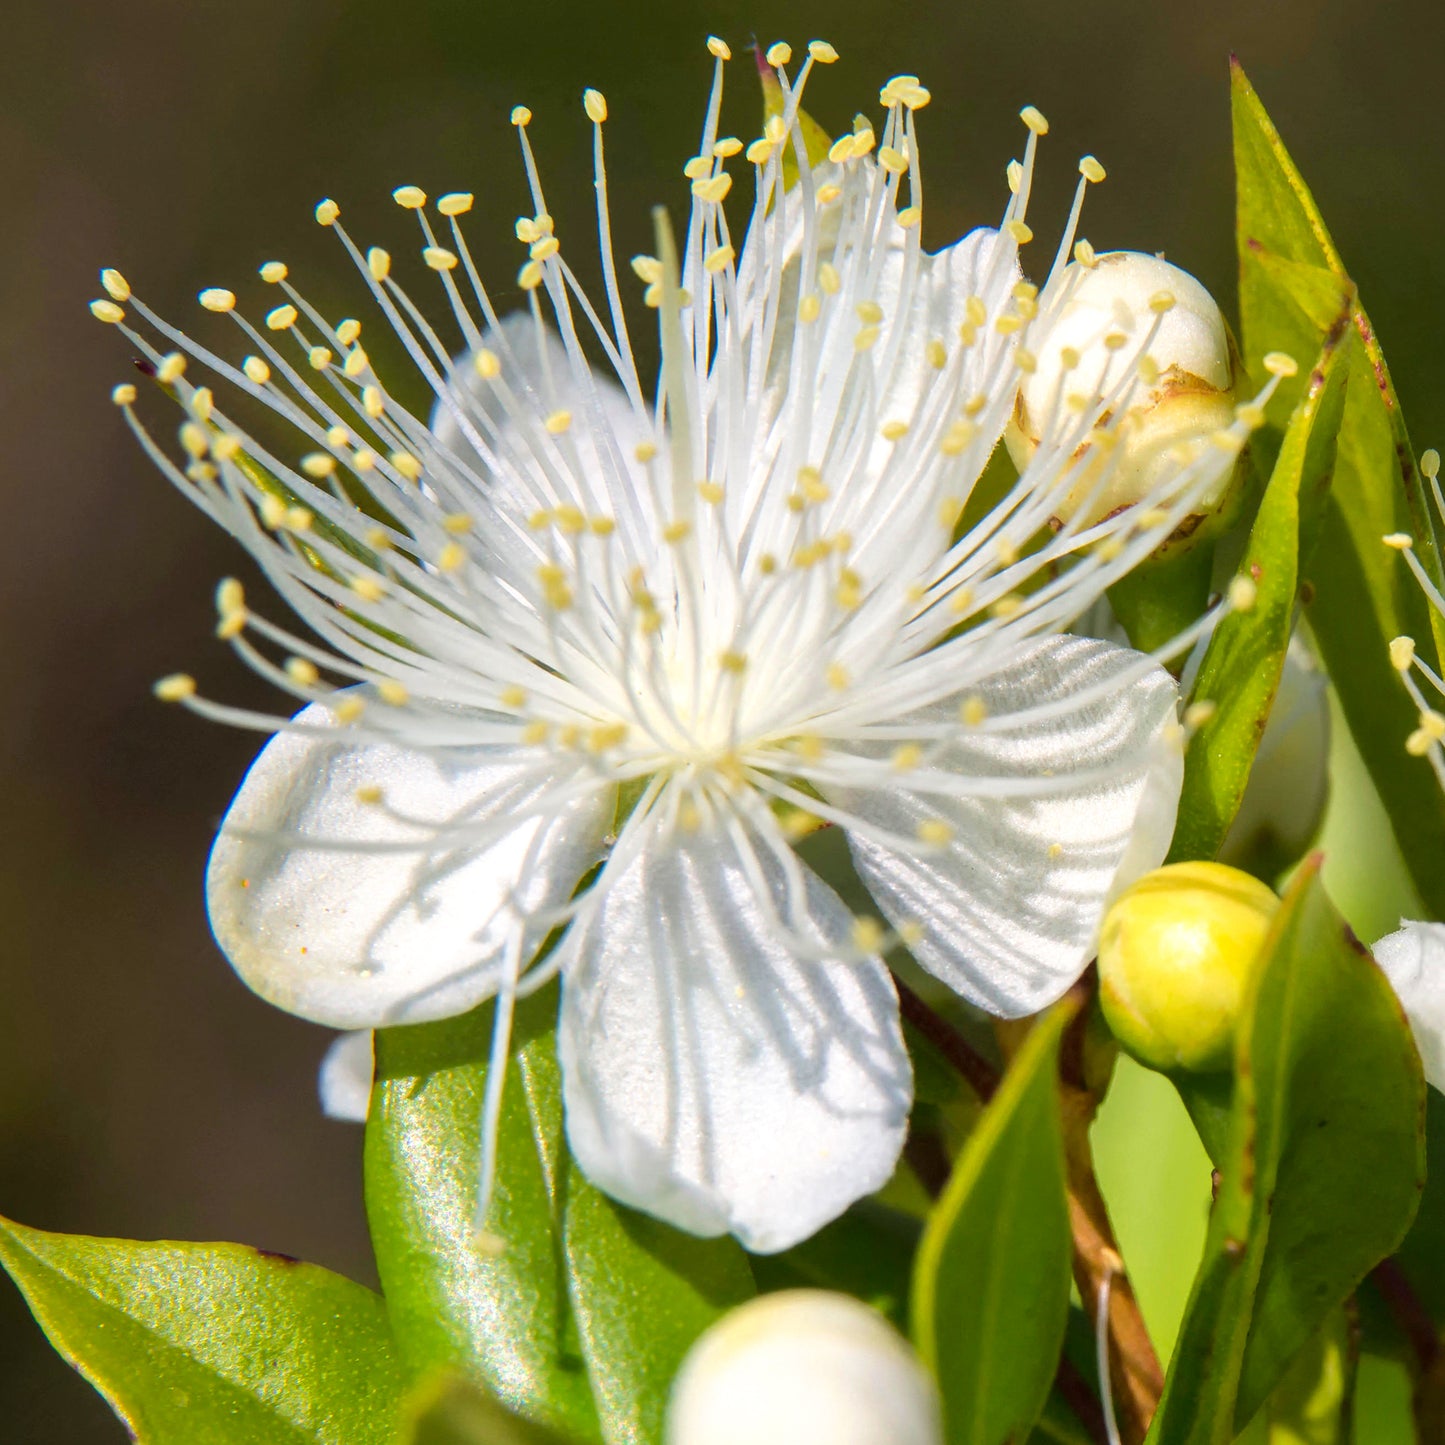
(837, 676)
(231, 624)
(910, 216)
(171, 368)
(719, 48)
(1085, 255)
(1280, 363)
(558, 422)
(299, 519)
(392, 692)
(936, 354)
(378, 263)
(711, 492)
(759, 153)
(1033, 117)
(1399, 541)
(1250, 414)
(975, 312)
(733, 662)
(373, 402)
(1432, 723)
(273, 511)
(645, 451)
(256, 370)
(302, 671)
(521, 115)
(870, 313)
(822, 52)
(281, 318)
(935, 832)
(863, 142)
(1199, 713)
(865, 338)
(1242, 593)
(1091, 170)
(116, 286)
(216, 298)
(455, 203)
(1020, 231)
(893, 431)
(530, 276)
(798, 825)
(1229, 442)
(829, 281)
(647, 268)
(697, 168)
(569, 519)
(555, 590)
(1026, 361)
(318, 465)
(175, 688)
(956, 440)
(319, 358)
(348, 710)
(348, 331)
(370, 795)
(714, 188)
(1402, 653)
(973, 712)
(545, 249)
(122, 395)
(828, 194)
(1007, 606)
(719, 259)
(512, 697)
(767, 564)
(811, 484)
(406, 465)
(841, 150)
(906, 757)
(1162, 302)
(357, 362)
(488, 364)
(409, 198)
(727, 147)
(892, 160)
(605, 736)
(1014, 173)
(327, 212)
(779, 53)
(601, 526)
(1147, 368)
(1151, 518)
(230, 596)
(201, 472)
(367, 587)
(379, 539)
(595, 104)
(535, 733)
(809, 308)
(274, 272)
(203, 399)
(1418, 743)
(868, 935)
(677, 531)
(1430, 464)
(440, 259)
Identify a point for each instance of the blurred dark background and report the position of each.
(143, 1091)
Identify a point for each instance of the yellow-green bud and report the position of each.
(803, 1367)
(1177, 390)
(1175, 954)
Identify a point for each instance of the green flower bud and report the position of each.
(1178, 388)
(1175, 954)
(803, 1367)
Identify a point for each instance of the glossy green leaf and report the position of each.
(213, 1344)
(451, 1410)
(991, 1281)
(580, 1321)
(1321, 1156)
(1241, 669)
(1361, 594)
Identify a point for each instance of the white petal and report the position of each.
(345, 1081)
(1413, 959)
(1010, 909)
(356, 938)
(593, 467)
(713, 1077)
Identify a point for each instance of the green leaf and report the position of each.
(581, 1320)
(1361, 593)
(1321, 1157)
(451, 1410)
(213, 1344)
(1242, 666)
(991, 1281)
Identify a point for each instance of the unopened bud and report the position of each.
(803, 1367)
(1175, 954)
(1145, 342)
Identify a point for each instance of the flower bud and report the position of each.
(1175, 391)
(1175, 954)
(803, 1367)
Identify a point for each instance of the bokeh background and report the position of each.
(143, 1091)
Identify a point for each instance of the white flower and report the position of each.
(579, 628)
(803, 1367)
(1413, 958)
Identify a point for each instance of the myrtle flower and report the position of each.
(586, 661)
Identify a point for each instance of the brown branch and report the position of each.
(1135, 1373)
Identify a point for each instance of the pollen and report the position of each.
(595, 104)
(779, 53)
(281, 318)
(319, 358)
(1085, 255)
(373, 402)
(935, 832)
(302, 671)
(409, 198)
(719, 260)
(318, 465)
(123, 395)
(1091, 170)
(936, 354)
(822, 52)
(714, 188)
(1020, 231)
(171, 368)
(521, 115)
(719, 49)
(175, 688)
(256, 370)
(455, 203)
(1402, 653)
(116, 286)
(439, 258)
(273, 272)
(558, 422)
(1033, 117)
(378, 263)
(972, 712)
(327, 212)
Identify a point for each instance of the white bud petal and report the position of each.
(345, 1082)
(1176, 386)
(803, 1367)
